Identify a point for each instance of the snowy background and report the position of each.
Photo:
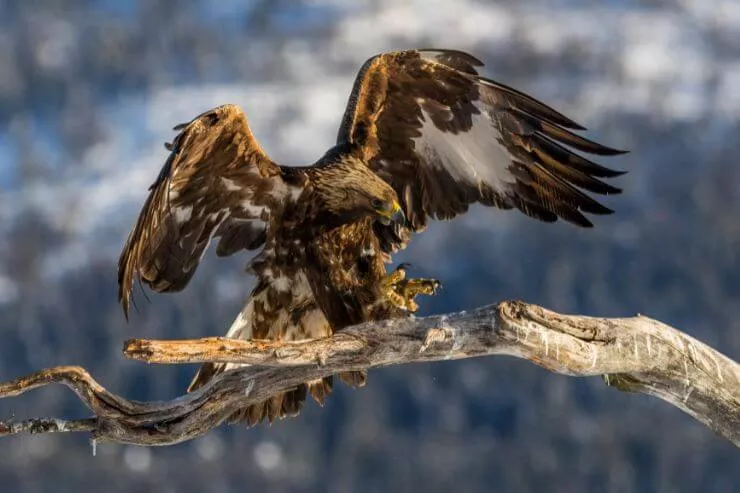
(89, 90)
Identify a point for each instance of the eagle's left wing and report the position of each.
(217, 182)
(445, 137)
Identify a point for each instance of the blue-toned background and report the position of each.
(89, 90)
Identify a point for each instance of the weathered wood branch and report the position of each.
(636, 354)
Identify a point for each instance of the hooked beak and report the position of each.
(395, 215)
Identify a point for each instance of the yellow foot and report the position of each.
(401, 291)
(388, 285)
(409, 289)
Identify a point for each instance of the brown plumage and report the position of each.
(422, 131)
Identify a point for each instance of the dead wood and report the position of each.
(636, 354)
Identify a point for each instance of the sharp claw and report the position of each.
(401, 292)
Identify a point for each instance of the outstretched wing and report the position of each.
(445, 137)
(216, 182)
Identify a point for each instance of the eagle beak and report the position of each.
(393, 215)
(398, 216)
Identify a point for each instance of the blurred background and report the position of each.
(89, 90)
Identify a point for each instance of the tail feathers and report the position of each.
(353, 378)
(284, 405)
(287, 404)
(320, 389)
(205, 374)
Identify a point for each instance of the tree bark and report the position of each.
(635, 354)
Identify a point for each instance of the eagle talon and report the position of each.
(436, 285)
(394, 278)
(396, 299)
(401, 292)
(415, 287)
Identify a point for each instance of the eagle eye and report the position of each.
(377, 203)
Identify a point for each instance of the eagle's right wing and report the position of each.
(445, 137)
(216, 182)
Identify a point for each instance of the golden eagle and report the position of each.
(423, 136)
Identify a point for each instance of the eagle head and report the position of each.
(352, 190)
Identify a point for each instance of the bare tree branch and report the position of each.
(635, 354)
